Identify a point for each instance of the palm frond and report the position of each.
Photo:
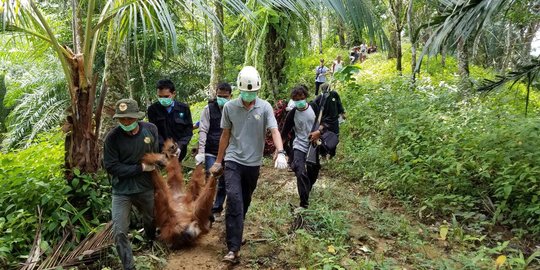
(93, 247)
(40, 109)
(461, 19)
(529, 72)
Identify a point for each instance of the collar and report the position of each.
(170, 108)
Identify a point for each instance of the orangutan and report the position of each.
(181, 213)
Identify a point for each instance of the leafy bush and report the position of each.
(32, 178)
(451, 154)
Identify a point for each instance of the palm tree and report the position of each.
(217, 69)
(138, 21)
(77, 59)
(461, 21)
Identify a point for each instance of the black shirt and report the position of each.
(122, 158)
(332, 109)
(176, 125)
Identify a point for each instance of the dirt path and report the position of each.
(205, 255)
(209, 251)
(369, 231)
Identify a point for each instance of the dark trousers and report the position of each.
(240, 182)
(183, 152)
(306, 176)
(221, 192)
(121, 208)
(317, 86)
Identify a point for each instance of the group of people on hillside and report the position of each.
(231, 141)
(359, 53)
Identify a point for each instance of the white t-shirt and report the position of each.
(338, 66)
(321, 73)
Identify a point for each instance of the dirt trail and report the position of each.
(381, 234)
(211, 248)
(206, 254)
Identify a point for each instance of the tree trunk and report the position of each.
(508, 48)
(413, 39)
(399, 67)
(76, 25)
(116, 80)
(341, 33)
(531, 31)
(319, 25)
(81, 148)
(392, 51)
(396, 8)
(463, 65)
(3, 110)
(217, 69)
(275, 56)
(443, 55)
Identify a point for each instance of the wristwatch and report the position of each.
(282, 152)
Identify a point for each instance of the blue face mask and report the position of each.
(221, 101)
(129, 128)
(300, 104)
(166, 102)
(248, 96)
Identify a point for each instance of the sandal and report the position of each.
(231, 257)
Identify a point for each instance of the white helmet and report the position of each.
(248, 79)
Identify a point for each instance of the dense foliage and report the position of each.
(32, 181)
(453, 153)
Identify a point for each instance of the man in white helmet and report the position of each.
(244, 122)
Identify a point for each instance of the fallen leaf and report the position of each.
(331, 249)
(500, 261)
(365, 249)
(443, 231)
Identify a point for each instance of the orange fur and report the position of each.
(182, 214)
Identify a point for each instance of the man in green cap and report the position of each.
(125, 145)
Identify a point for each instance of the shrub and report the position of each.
(450, 153)
(32, 178)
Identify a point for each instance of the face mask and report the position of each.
(300, 103)
(166, 102)
(248, 96)
(221, 101)
(129, 128)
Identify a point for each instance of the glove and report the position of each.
(199, 158)
(281, 162)
(216, 169)
(148, 167)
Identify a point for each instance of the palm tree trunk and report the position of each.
(275, 56)
(399, 66)
(530, 32)
(443, 56)
(217, 70)
(3, 110)
(508, 48)
(81, 150)
(76, 25)
(412, 30)
(463, 65)
(80, 145)
(116, 79)
(341, 33)
(319, 25)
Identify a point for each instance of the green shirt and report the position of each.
(122, 158)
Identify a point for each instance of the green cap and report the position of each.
(127, 108)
